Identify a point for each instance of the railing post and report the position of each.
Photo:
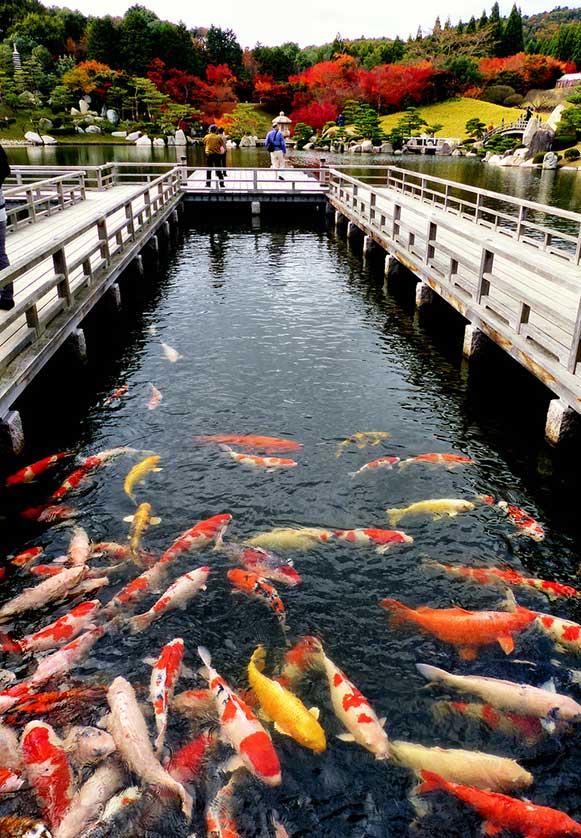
(59, 261)
(99, 179)
(322, 170)
(446, 196)
(578, 248)
(61, 194)
(83, 186)
(522, 214)
(483, 284)
(147, 202)
(255, 180)
(103, 239)
(477, 210)
(130, 221)
(430, 239)
(32, 320)
(372, 201)
(184, 170)
(396, 220)
(30, 203)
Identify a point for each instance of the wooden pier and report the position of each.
(510, 267)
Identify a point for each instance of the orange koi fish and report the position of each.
(502, 813)
(29, 473)
(305, 655)
(220, 822)
(156, 398)
(186, 763)
(528, 728)
(465, 629)
(198, 536)
(354, 711)
(164, 676)
(256, 586)
(48, 771)
(496, 575)
(73, 481)
(268, 464)
(63, 708)
(384, 539)
(242, 729)
(376, 465)
(448, 460)
(49, 513)
(525, 523)
(117, 394)
(27, 556)
(268, 444)
(46, 570)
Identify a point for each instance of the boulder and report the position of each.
(247, 142)
(83, 106)
(376, 149)
(550, 160)
(471, 154)
(555, 117)
(366, 147)
(75, 112)
(530, 130)
(171, 140)
(386, 148)
(44, 124)
(526, 164)
(79, 130)
(494, 160)
(507, 160)
(143, 140)
(308, 146)
(92, 129)
(121, 134)
(444, 150)
(47, 140)
(520, 155)
(112, 116)
(33, 137)
(231, 144)
(457, 153)
(355, 149)
(398, 151)
(134, 135)
(540, 141)
(180, 137)
(159, 141)
(478, 145)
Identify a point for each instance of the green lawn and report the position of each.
(454, 114)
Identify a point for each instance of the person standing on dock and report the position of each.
(7, 292)
(276, 145)
(213, 149)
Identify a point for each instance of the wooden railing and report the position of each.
(545, 228)
(31, 201)
(55, 274)
(517, 125)
(530, 302)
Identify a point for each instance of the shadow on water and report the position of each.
(284, 330)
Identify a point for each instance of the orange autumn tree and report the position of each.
(88, 76)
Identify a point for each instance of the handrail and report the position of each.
(43, 197)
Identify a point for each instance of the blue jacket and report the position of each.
(277, 138)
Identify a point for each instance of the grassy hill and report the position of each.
(454, 114)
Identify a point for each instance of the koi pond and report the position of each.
(283, 331)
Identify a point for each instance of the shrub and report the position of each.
(514, 101)
(498, 93)
(572, 154)
(562, 141)
(539, 157)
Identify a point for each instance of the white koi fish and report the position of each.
(171, 354)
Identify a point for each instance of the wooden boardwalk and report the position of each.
(511, 267)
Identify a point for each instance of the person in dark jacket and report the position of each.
(7, 291)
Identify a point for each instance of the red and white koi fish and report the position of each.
(448, 460)
(475, 768)
(177, 595)
(133, 592)
(304, 656)
(505, 814)
(260, 561)
(267, 464)
(61, 631)
(62, 708)
(72, 482)
(119, 552)
(48, 771)
(527, 728)
(129, 730)
(27, 556)
(195, 704)
(524, 522)
(80, 547)
(88, 586)
(384, 539)
(242, 729)
(49, 513)
(502, 576)
(220, 820)
(44, 593)
(186, 764)
(164, 676)
(156, 398)
(102, 457)
(90, 800)
(29, 473)
(508, 695)
(382, 463)
(10, 781)
(268, 444)
(354, 711)
(255, 586)
(46, 569)
(198, 536)
(467, 630)
(88, 745)
(117, 394)
(564, 633)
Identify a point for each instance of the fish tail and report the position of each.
(398, 611)
(430, 782)
(139, 623)
(431, 673)
(394, 516)
(259, 657)
(7, 644)
(205, 656)
(219, 543)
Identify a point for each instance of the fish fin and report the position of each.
(430, 782)
(393, 516)
(549, 686)
(548, 725)
(263, 715)
(489, 828)
(128, 519)
(468, 653)
(279, 729)
(202, 588)
(234, 763)
(204, 673)
(509, 602)
(382, 721)
(259, 658)
(315, 712)
(157, 469)
(352, 474)
(205, 656)
(432, 673)
(506, 643)
(149, 661)
(155, 521)
(346, 737)
(188, 672)
(382, 549)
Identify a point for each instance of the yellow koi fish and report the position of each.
(361, 439)
(437, 508)
(288, 712)
(140, 523)
(291, 538)
(138, 473)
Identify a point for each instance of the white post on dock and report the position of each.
(474, 340)
(352, 230)
(78, 344)
(424, 294)
(11, 433)
(255, 207)
(560, 419)
(114, 296)
(340, 219)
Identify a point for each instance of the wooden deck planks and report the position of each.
(267, 181)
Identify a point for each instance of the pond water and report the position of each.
(559, 189)
(283, 332)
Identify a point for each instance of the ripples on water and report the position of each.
(284, 333)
